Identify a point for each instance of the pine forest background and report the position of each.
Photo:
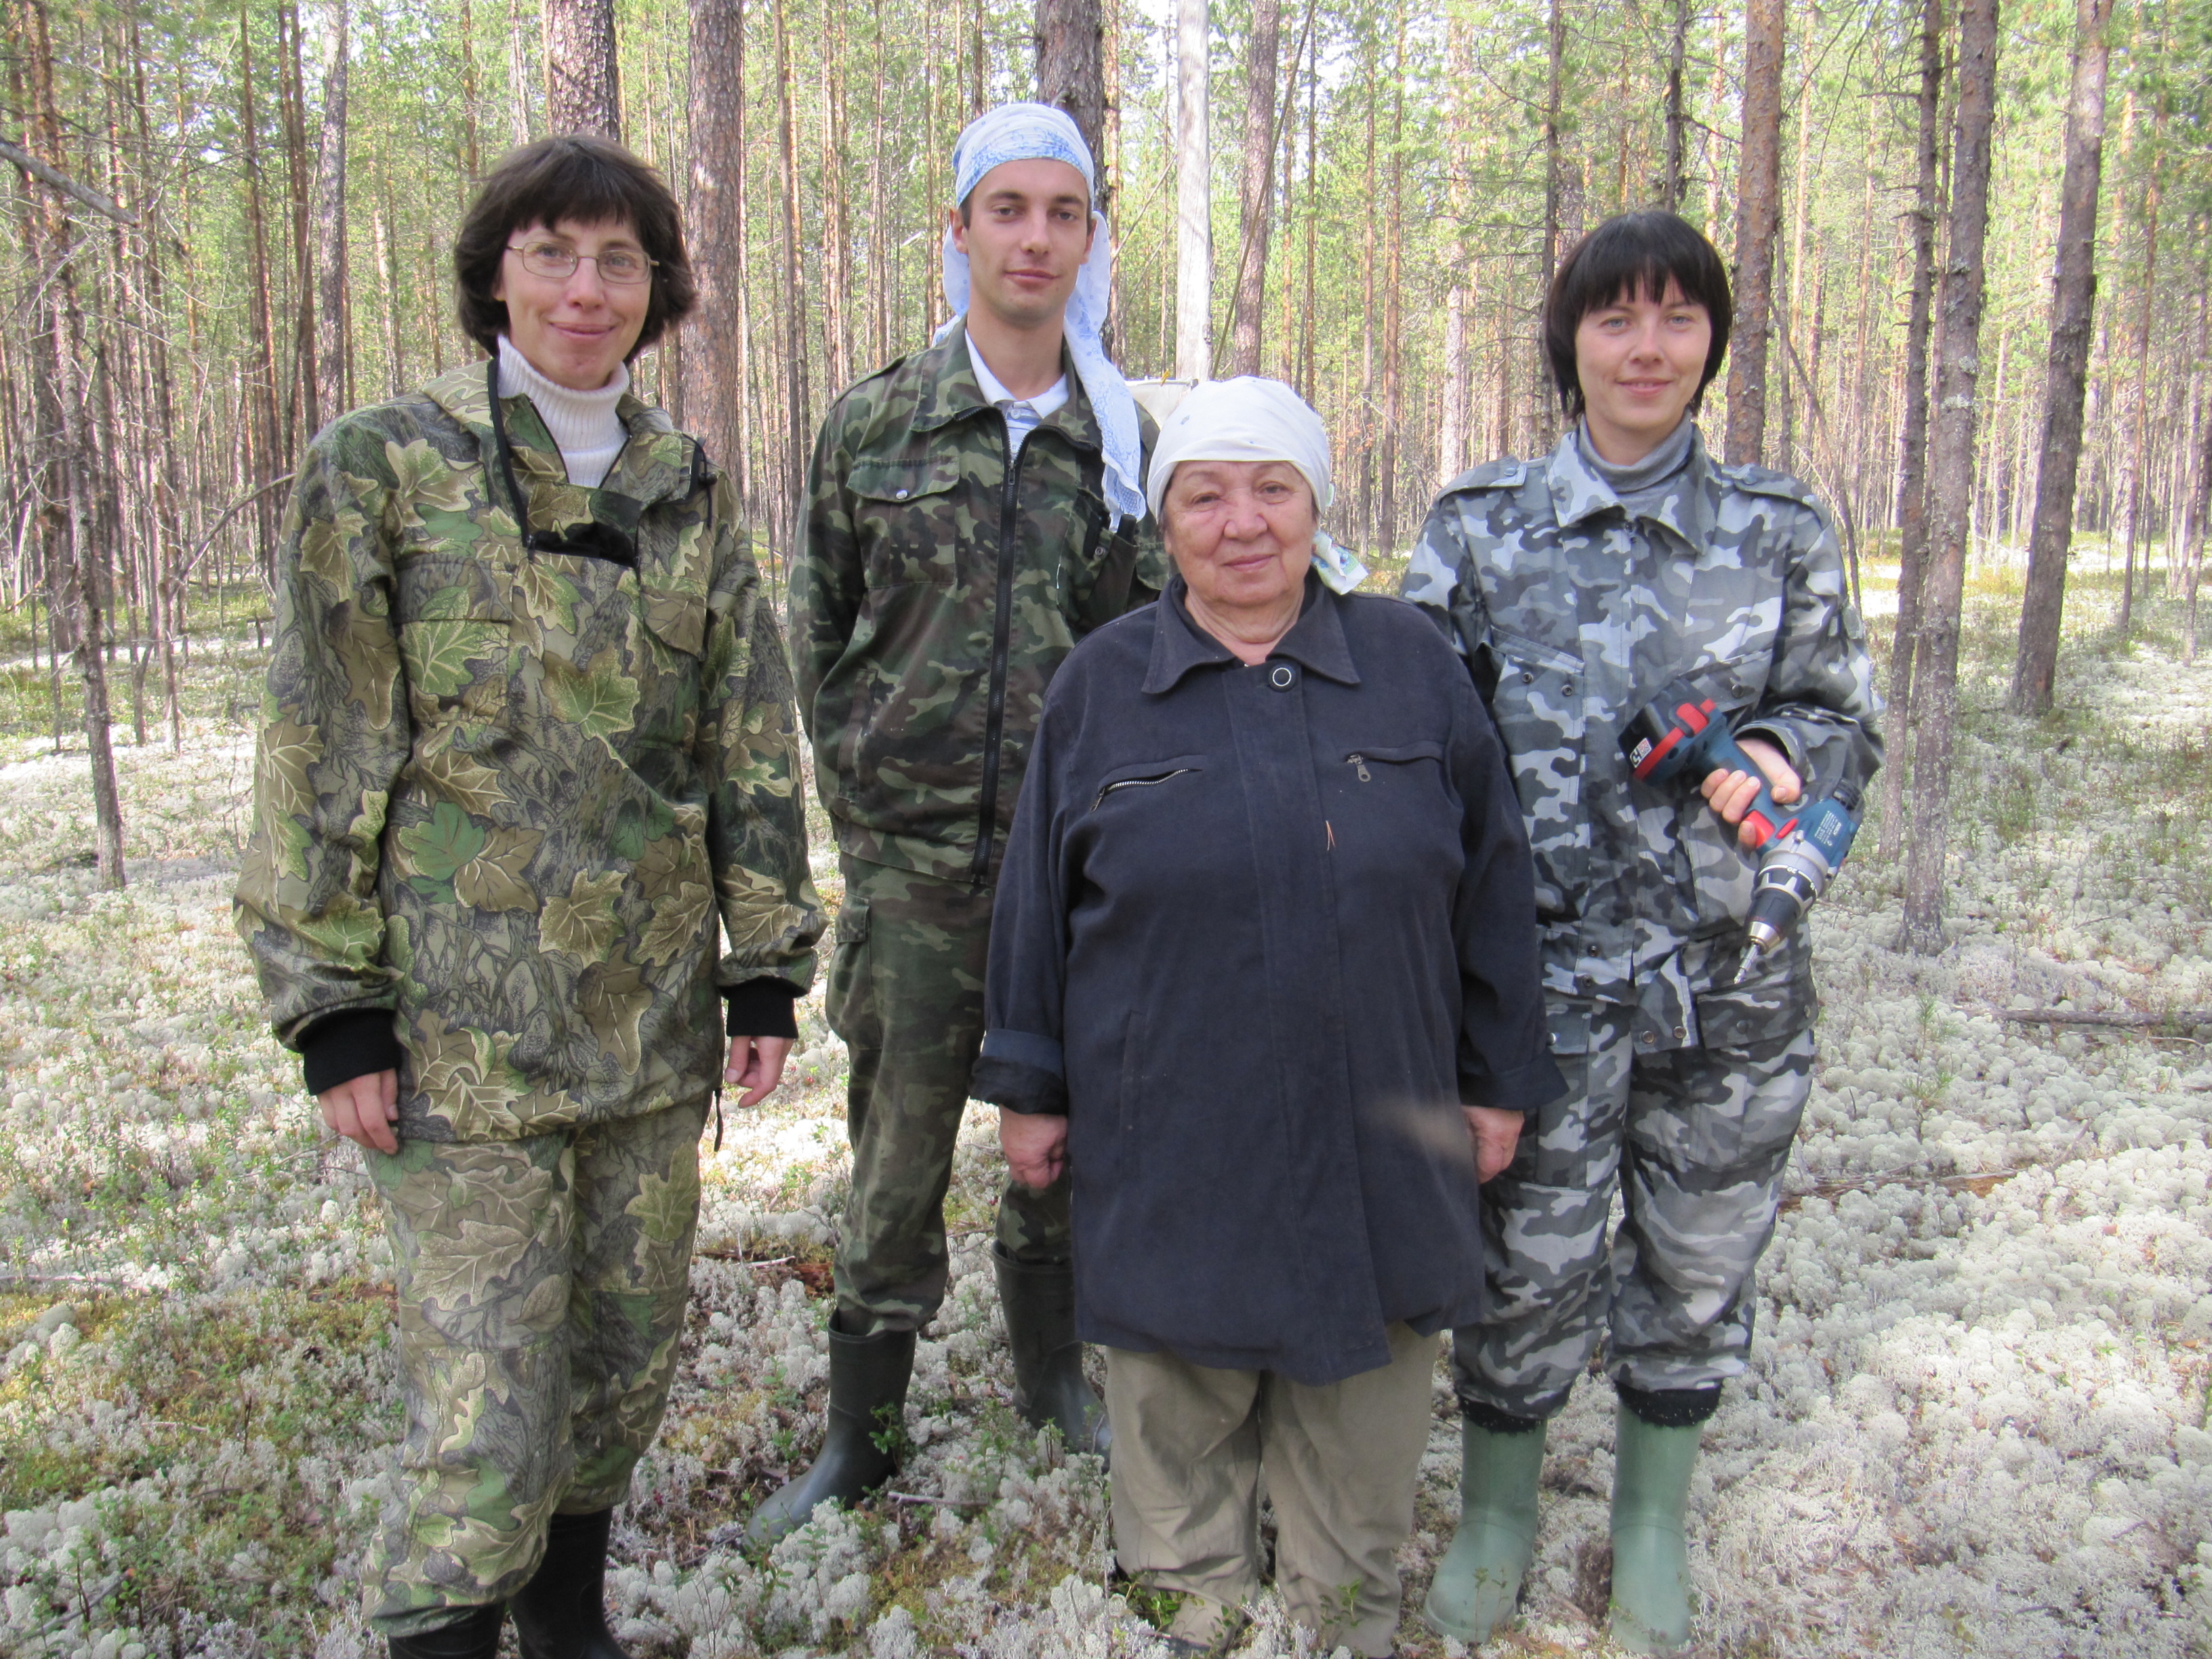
(235, 222)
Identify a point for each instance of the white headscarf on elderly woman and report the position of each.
(1033, 132)
(1251, 419)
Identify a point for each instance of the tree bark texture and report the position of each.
(1070, 70)
(583, 81)
(1255, 197)
(714, 358)
(1912, 460)
(63, 397)
(2073, 307)
(1676, 182)
(1193, 196)
(332, 388)
(1758, 216)
(1951, 479)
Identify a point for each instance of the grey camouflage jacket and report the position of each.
(517, 796)
(1572, 617)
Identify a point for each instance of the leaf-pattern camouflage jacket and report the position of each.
(935, 594)
(508, 793)
(1571, 616)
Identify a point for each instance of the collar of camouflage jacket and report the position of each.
(659, 466)
(655, 466)
(950, 391)
(1689, 509)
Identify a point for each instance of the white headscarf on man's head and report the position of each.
(1039, 132)
(1251, 419)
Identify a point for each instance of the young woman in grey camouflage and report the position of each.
(527, 754)
(1576, 586)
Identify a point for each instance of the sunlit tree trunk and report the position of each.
(1193, 196)
(2073, 306)
(331, 377)
(714, 362)
(1255, 197)
(1912, 444)
(1951, 480)
(583, 79)
(1757, 218)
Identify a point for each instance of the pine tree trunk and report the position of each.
(794, 289)
(1757, 218)
(1255, 197)
(329, 227)
(269, 442)
(2137, 419)
(1912, 469)
(583, 81)
(63, 397)
(2073, 306)
(1676, 182)
(713, 366)
(1541, 391)
(1071, 68)
(1394, 257)
(1194, 196)
(1951, 480)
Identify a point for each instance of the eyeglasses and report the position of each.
(557, 263)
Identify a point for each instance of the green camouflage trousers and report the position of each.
(906, 995)
(1696, 1139)
(542, 1285)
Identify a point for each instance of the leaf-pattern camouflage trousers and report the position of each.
(1696, 1140)
(542, 1285)
(906, 995)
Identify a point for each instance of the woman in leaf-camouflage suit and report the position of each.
(527, 750)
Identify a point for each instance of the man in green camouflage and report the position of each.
(1576, 586)
(527, 754)
(972, 510)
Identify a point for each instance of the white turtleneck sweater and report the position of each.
(583, 424)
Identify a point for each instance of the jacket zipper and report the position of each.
(1002, 623)
(1138, 783)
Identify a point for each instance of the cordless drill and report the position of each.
(1680, 734)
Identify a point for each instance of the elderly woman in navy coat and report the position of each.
(1263, 978)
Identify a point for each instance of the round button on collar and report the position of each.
(1282, 677)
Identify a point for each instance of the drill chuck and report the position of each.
(1797, 870)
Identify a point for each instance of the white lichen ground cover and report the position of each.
(1974, 1424)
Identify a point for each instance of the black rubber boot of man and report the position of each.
(475, 1635)
(868, 1376)
(1049, 1386)
(561, 1612)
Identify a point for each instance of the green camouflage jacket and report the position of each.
(934, 597)
(1572, 617)
(507, 793)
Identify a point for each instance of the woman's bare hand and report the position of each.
(756, 1066)
(1036, 1146)
(1495, 1135)
(1731, 794)
(364, 1110)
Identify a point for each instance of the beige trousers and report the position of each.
(1192, 1445)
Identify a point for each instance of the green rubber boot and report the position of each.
(1479, 1580)
(1650, 1555)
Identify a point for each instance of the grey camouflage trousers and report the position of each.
(1696, 1139)
(906, 993)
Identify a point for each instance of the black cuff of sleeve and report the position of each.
(350, 1043)
(1670, 1408)
(1014, 1086)
(1783, 735)
(1524, 1089)
(764, 1007)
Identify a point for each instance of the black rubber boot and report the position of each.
(867, 1406)
(561, 1612)
(1049, 1386)
(475, 1635)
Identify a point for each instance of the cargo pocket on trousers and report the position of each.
(846, 1003)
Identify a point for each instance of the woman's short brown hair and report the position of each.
(1634, 256)
(592, 181)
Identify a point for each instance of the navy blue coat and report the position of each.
(1259, 932)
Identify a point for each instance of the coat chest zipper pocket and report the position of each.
(1358, 758)
(1140, 783)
